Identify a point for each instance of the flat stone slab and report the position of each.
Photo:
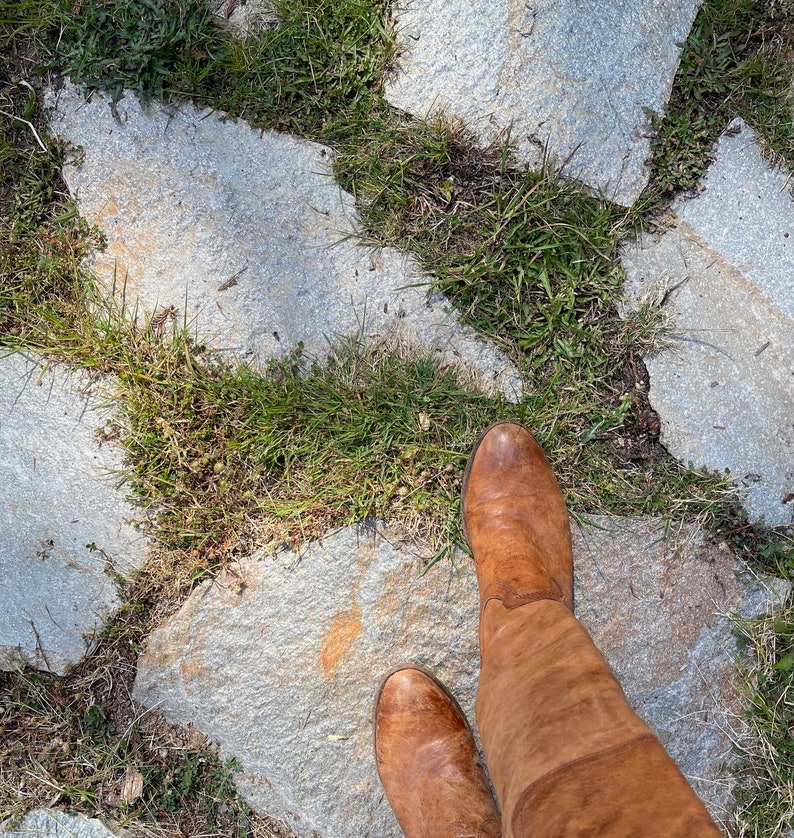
(50, 823)
(65, 526)
(279, 660)
(725, 268)
(245, 235)
(579, 78)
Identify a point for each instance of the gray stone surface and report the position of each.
(50, 823)
(279, 660)
(246, 235)
(579, 77)
(245, 17)
(725, 392)
(64, 523)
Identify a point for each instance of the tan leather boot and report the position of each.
(515, 520)
(427, 760)
(566, 753)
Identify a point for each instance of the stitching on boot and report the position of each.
(624, 746)
(510, 598)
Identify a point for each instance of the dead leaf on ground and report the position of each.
(132, 785)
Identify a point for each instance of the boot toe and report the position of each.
(427, 760)
(514, 516)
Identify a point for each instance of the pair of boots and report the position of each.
(566, 754)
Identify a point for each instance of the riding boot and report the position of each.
(427, 761)
(566, 754)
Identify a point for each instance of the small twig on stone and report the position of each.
(40, 645)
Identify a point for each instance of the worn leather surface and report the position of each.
(566, 753)
(515, 520)
(428, 763)
(627, 791)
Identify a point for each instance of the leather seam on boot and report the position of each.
(512, 599)
(624, 746)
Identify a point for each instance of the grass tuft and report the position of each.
(737, 61)
(313, 74)
(135, 44)
(527, 257)
(233, 457)
(765, 788)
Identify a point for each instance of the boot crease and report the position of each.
(485, 829)
(592, 757)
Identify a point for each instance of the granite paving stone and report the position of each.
(65, 526)
(578, 80)
(245, 236)
(725, 268)
(279, 661)
(51, 823)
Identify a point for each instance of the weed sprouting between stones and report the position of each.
(233, 457)
(42, 238)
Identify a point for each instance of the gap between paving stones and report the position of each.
(725, 273)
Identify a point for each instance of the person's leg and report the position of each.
(427, 761)
(566, 754)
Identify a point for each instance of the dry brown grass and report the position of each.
(766, 777)
(69, 741)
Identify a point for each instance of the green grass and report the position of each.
(737, 61)
(42, 238)
(765, 789)
(315, 74)
(231, 457)
(527, 257)
(231, 451)
(143, 45)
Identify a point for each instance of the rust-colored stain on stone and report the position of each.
(345, 628)
(189, 669)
